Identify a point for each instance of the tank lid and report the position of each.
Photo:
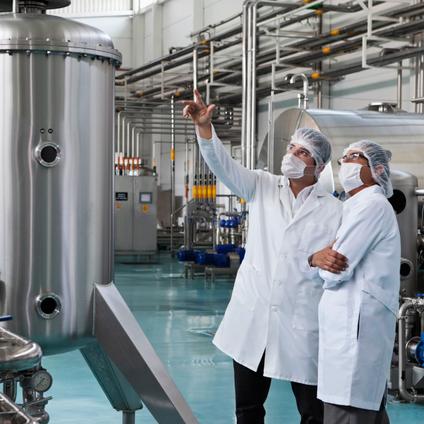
(39, 33)
(7, 5)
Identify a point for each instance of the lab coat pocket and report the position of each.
(245, 286)
(337, 319)
(387, 297)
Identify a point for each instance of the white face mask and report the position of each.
(350, 176)
(292, 166)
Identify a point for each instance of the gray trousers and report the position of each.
(339, 414)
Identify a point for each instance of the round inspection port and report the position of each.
(48, 154)
(406, 268)
(398, 201)
(48, 305)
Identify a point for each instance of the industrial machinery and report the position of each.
(56, 211)
(403, 134)
(20, 363)
(135, 214)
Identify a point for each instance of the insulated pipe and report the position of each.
(403, 391)
(15, 6)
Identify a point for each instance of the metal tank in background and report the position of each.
(56, 206)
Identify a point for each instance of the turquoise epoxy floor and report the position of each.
(179, 316)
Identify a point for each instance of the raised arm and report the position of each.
(237, 178)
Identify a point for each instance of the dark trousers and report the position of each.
(338, 414)
(252, 390)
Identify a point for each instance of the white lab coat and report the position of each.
(357, 312)
(274, 304)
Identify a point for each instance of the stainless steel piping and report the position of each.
(403, 391)
(302, 97)
(399, 85)
(172, 172)
(195, 64)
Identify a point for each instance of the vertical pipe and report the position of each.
(132, 142)
(244, 84)
(319, 66)
(15, 6)
(138, 144)
(195, 64)
(118, 133)
(211, 61)
(253, 90)
(399, 86)
(416, 76)
(128, 139)
(421, 92)
(124, 126)
(172, 172)
(270, 156)
(248, 88)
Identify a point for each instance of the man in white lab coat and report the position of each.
(357, 312)
(270, 327)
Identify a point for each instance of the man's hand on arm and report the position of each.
(200, 114)
(329, 260)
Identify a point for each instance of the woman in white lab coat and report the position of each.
(270, 327)
(357, 312)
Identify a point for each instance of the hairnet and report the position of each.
(316, 143)
(378, 159)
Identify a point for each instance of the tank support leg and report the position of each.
(128, 417)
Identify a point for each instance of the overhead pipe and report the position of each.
(347, 31)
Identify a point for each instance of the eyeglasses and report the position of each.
(350, 157)
(298, 151)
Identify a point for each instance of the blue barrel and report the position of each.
(221, 260)
(225, 248)
(184, 255)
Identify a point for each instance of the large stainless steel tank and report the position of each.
(56, 204)
(400, 132)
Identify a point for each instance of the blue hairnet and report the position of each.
(378, 159)
(316, 143)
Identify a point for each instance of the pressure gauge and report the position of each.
(41, 381)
